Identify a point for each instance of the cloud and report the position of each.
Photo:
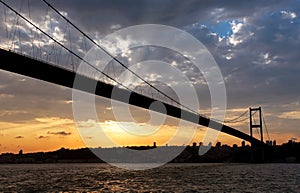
(3, 96)
(290, 115)
(241, 32)
(53, 119)
(101, 15)
(63, 133)
(43, 137)
(288, 15)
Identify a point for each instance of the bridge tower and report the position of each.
(257, 153)
(252, 112)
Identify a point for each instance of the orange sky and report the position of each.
(35, 136)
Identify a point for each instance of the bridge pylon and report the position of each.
(253, 111)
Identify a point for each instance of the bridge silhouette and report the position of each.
(14, 59)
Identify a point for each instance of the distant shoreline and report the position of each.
(285, 153)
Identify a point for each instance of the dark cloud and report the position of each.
(264, 67)
(43, 137)
(31, 97)
(101, 15)
(63, 133)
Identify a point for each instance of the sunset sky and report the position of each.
(255, 44)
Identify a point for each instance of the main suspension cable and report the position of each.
(118, 61)
(263, 117)
(46, 34)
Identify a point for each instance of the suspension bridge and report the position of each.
(45, 52)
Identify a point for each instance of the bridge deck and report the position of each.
(20, 64)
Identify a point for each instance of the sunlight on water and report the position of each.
(170, 178)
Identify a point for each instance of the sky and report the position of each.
(255, 44)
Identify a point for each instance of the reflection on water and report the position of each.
(169, 178)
